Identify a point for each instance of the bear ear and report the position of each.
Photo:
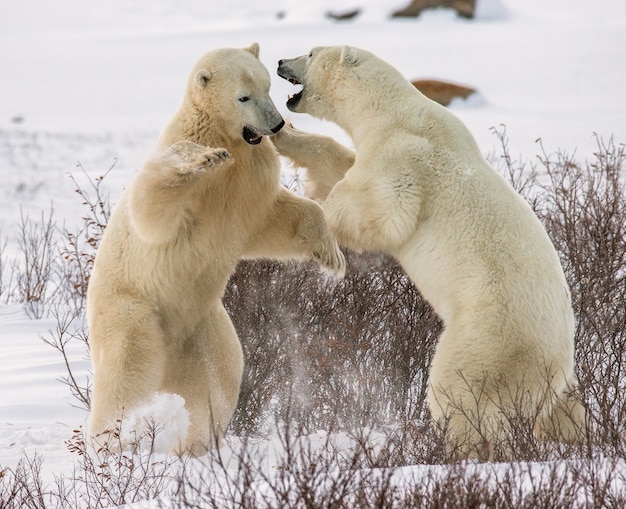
(349, 55)
(202, 78)
(254, 49)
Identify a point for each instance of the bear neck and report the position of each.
(395, 106)
(195, 124)
(373, 119)
(400, 108)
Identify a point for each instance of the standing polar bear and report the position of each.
(419, 189)
(210, 196)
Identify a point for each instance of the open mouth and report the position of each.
(286, 73)
(251, 136)
(294, 99)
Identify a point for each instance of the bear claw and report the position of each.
(332, 261)
(213, 158)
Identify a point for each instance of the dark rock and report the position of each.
(442, 92)
(343, 16)
(464, 8)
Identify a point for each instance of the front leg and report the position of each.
(325, 160)
(182, 162)
(374, 211)
(169, 186)
(296, 229)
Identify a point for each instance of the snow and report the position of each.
(36, 409)
(92, 84)
(164, 411)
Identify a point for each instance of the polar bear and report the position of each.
(418, 188)
(208, 197)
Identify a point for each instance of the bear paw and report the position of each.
(212, 158)
(330, 257)
(187, 158)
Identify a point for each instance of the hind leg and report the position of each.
(567, 420)
(460, 399)
(207, 374)
(472, 424)
(479, 398)
(480, 410)
(128, 357)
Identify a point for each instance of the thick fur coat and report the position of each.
(418, 188)
(208, 197)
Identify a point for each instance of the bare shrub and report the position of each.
(300, 472)
(323, 470)
(50, 272)
(76, 261)
(583, 207)
(23, 487)
(356, 352)
(38, 270)
(346, 353)
(6, 281)
(71, 327)
(79, 251)
(351, 357)
(109, 476)
(585, 214)
(336, 470)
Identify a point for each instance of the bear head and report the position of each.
(232, 86)
(328, 77)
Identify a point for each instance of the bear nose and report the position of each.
(278, 127)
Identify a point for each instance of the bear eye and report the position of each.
(244, 99)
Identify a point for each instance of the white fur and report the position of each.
(418, 188)
(155, 314)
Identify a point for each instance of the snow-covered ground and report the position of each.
(92, 83)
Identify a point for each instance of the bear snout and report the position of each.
(287, 73)
(278, 127)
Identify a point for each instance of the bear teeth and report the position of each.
(251, 136)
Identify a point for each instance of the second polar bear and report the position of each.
(210, 196)
(419, 189)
